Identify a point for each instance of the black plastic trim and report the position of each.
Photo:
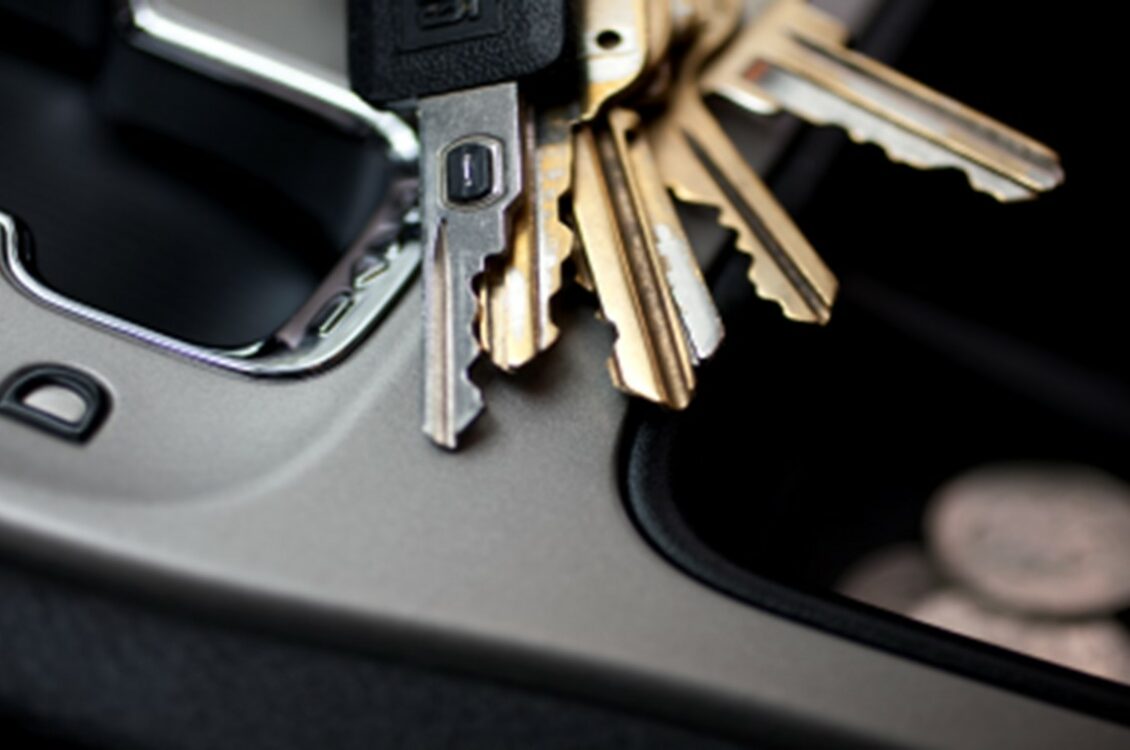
(17, 387)
(651, 503)
(647, 455)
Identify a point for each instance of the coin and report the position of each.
(894, 578)
(1100, 647)
(1042, 539)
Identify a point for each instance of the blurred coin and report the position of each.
(1047, 540)
(1100, 647)
(894, 578)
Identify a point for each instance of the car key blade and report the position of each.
(464, 65)
(471, 178)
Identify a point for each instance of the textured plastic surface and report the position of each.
(16, 403)
(407, 49)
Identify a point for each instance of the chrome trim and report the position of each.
(196, 45)
(270, 359)
(378, 265)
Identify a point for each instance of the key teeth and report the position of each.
(725, 217)
(543, 243)
(446, 435)
(550, 332)
(615, 373)
(543, 337)
(1019, 194)
(822, 81)
(822, 316)
(546, 336)
(472, 397)
(475, 350)
(676, 396)
(675, 400)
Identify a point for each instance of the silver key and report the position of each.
(471, 180)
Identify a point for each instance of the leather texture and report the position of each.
(80, 668)
(395, 54)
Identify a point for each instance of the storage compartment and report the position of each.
(968, 334)
(190, 204)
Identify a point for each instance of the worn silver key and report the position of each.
(471, 179)
(792, 57)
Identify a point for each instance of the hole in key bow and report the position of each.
(609, 39)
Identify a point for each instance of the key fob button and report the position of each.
(61, 401)
(470, 173)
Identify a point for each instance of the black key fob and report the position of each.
(405, 49)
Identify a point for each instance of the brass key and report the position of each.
(657, 21)
(702, 166)
(636, 256)
(792, 57)
(650, 355)
(516, 323)
(701, 321)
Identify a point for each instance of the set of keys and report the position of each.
(558, 134)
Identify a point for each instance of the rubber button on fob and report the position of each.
(470, 173)
(58, 400)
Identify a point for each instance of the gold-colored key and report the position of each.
(659, 25)
(516, 322)
(701, 321)
(702, 166)
(635, 253)
(650, 355)
(792, 57)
